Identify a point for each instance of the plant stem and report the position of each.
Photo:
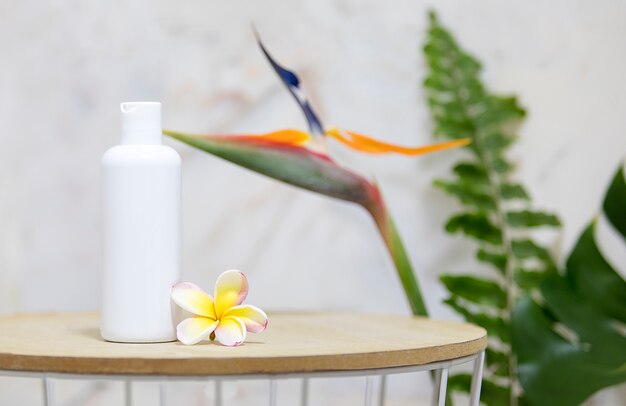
(500, 219)
(388, 231)
(393, 242)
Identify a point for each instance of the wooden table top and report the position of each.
(292, 343)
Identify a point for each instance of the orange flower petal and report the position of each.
(288, 136)
(360, 142)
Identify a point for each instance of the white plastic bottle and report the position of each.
(141, 224)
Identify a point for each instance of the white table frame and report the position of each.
(439, 393)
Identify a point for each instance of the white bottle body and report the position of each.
(141, 242)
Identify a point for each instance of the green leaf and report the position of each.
(471, 172)
(527, 218)
(490, 394)
(501, 166)
(554, 371)
(293, 165)
(476, 225)
(589, 302)
(468, 193)
(475, 290)
(495, 326)
(404, 269)
(499, 112)
(587, 270)
(528, 249)
(443, 108)
(614, 202)
(497, 362)
(438, 82)
(513, 191)
(591, 324)
(453, 129)
(467, 64)
(529, 279)
(497, 260)
(497, 141)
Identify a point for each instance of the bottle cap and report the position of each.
(141, 123)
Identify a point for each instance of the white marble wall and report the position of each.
(67, 64)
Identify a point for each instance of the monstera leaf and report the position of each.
(572, 343)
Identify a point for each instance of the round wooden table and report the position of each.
(304, 345)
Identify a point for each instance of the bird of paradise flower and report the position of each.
(300, 159)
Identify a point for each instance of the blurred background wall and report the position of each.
(66, 65)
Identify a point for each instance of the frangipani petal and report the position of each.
(195, 329)
(254, 318)
(363, 143)
(193, 299)
(230, 331)
(231, 290)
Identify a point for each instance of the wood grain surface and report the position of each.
(292, 343)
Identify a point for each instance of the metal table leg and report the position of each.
(439, 395)
(304, 401)
(218, 393)
(383, 389)
(369, 389)
(162, 394)
(128, 392)
(477, 379)
(48, 391)
(273, 394)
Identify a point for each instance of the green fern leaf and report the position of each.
(475, 290)
(495, 326)
(527, 218)
(468, 193)
(513, 191)
(498, 142)
(472, 172)
(499, 261)
(461, 106)
(529, 279)
(497, 362)
(476, 225)
(526, 248)
(501, 166)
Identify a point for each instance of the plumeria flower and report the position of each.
(224, 318)
(300, 158)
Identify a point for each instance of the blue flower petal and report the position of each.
(291, 80)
